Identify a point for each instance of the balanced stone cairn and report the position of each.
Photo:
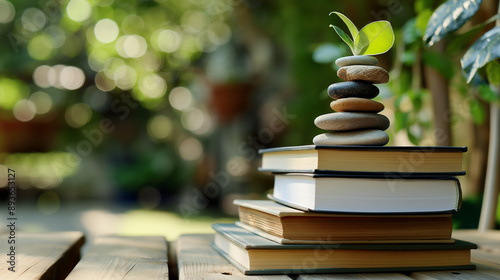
(356, 120)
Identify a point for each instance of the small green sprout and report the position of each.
(375, 38)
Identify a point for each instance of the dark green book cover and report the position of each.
(231, 237)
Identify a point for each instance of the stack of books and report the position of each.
(351, 209)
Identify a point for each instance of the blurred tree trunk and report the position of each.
(492, 188)
(439, 88)
(478, 156)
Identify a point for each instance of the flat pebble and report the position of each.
(355, 104)
(373, 74)
(353, 89)
(343, 121)
(356, 60)
(371, 137)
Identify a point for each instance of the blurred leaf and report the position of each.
(484, 50)
(449, 17)
(344, 37)
(375, 38)
(414, 134)
(422, 20)
(326, 53)
(416, 99)
(401, 121)
(493, 72)
(408, 57)
(457, 43)
(487, 93)
(352, 28)
(440, 62)
(421, 5)
(477, 111)
(410, 35)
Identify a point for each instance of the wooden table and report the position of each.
(56, 256)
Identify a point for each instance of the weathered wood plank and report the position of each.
(364, 276)
(124, 257)
(488, 252)
(197, 260)
(48, 255)
(486, 257)
(487, 239)
(457, 275)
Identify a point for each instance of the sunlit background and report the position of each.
(145, 117)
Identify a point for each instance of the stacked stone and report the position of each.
(355, 120)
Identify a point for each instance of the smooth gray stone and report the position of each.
(342, 121)
(353, 89)
(370, 137)
(356, 60)
(373, 74)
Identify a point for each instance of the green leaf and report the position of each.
(458, 42)
(375, 38)
(440, 62)
(477, 111)
(493, 72)
(449, 17)
(487, 93)
(422, 20)
(484, 50)
(344, 37)
(352, 28)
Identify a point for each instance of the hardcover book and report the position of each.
(287, 225)
(328, 193)
(395, 161)
(253, 254)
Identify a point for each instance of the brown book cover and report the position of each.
(287, 225)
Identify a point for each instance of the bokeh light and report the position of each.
(180, 98)
(42, 102)
(238, 166)
(160, 128)
(194, 21)
(78, 10)
(131, 46)
(71, 78)
(11, 91)
(153, 86)
(132, 24)
(33, 19)
(59, 76)
(77, 115)
(97, 59)
(58, 35)
(41, 76)
(197, 121)
(102, 82)
(191, 149)
(24, 110)
(125, 77)
(7, 11)
(166, 40)
(106, 30)
(41, 47)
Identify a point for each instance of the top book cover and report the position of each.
(367, 160)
